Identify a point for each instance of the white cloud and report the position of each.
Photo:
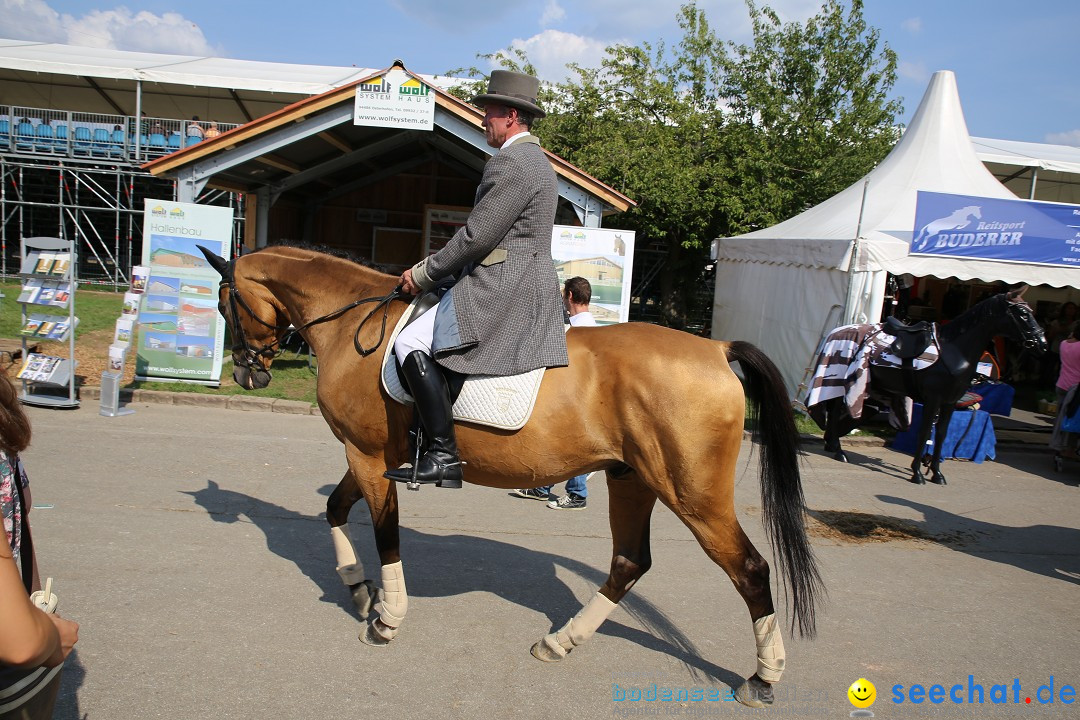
(551, 50)
(118, 29)
(651, 19)
(553, 13)
(1071, 137)
(912, 25)
(912, 71)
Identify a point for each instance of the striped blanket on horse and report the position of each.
(843, 364)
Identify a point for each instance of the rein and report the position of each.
(252, 354)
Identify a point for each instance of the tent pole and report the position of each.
(1034, 179)
(848, 305)
(137, 131)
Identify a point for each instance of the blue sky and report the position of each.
(1012, 59)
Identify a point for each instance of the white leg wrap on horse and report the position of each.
(770, 649)
(350, 571)
(393, 601)
(581, 627)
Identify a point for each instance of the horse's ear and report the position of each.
(217, 262)
(1017, 294)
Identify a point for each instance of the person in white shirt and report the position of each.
(577, 294)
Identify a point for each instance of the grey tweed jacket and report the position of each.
(509, 311)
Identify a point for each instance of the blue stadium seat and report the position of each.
(102, 140)
(174, 142)
(61, 138)
(45, 140)
(119, 139)
(82, 140)
(157, 142)
(192, 140)
(25, 137)
(5, 131)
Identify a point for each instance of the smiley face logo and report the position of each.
(862, 693)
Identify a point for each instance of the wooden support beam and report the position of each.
(280, 163)
(336, 140)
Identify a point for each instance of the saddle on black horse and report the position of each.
(911, 342)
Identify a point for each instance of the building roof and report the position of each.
(315, 140)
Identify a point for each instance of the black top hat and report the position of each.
(513, 89)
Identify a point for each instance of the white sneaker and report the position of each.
(570, 501)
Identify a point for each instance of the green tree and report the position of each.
(808, 110)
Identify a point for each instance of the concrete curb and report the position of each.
(248, 403)
(252, 403)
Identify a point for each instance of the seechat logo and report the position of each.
(176, 213)
(862, 695)
(158, 210)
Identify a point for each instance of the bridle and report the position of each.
(1026, 327)
(247, 355)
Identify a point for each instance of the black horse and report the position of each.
(941, 385)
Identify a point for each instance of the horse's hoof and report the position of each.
(938, 479)
(371, 636)
(363, 597)
(755, 693)
(841, 456)
(547, 652)
(918, 479)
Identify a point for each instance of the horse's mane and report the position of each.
(340, 253)
(973, 316)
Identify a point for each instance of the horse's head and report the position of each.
(1021, 325)
(255, 322)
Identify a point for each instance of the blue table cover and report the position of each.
(997, 398)
(970, 436)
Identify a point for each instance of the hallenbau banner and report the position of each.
(181, 333)
(1027, 231)
(602, 256)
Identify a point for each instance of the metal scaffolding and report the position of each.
(93, 196)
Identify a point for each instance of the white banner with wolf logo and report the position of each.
(395, 99)
(181, 333)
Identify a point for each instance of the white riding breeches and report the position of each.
(417, 335)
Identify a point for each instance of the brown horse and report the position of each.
(666, 415)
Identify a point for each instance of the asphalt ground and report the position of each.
(191, 544)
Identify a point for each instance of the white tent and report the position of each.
(1037, 171)
(781, 288)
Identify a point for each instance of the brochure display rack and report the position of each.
(48, 275)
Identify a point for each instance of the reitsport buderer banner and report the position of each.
(604, 257)
(1025, 231)
(181, 334)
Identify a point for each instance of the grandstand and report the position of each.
(77, 123)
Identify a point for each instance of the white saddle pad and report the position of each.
(504, 402)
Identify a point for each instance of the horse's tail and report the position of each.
(782, 501)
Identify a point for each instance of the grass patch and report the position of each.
(293, 380)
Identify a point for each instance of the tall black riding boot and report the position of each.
(440, 463)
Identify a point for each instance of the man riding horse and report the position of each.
(504, 314)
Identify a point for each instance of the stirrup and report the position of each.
(408, 475)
